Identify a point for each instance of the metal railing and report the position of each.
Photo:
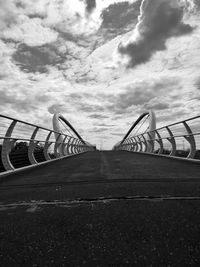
(181, 139)
(23, 144)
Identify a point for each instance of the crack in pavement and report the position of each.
(95, 200)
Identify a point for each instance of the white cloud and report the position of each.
(85, 85)
(31, 32)
(8, 14)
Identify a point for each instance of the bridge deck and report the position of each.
(101, 208)
(103, 174)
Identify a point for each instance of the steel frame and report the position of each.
(64, 145)
(145, 142)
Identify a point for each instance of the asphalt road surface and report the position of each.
(102, 209)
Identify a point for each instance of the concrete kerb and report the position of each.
(6, 174)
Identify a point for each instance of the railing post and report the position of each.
(129, 144)
(132, 145)
(68, 146)
(7, 145)
(79, 146)
(63, 146)
(140, 143)
(160, 142)
(191, 140)
(72, 145)
(136, 145)
(145, 143)
(76, 146)
(56, 146)
(125, 144)
(31, 147)
(150, 143)
(171, 139)
(46, 146)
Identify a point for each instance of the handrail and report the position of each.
(170, 125)
(28, 123)
(18, 151)
(145, 142)
(175, 136)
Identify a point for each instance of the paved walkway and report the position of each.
(102, 209)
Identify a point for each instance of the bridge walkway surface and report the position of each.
(103, 208)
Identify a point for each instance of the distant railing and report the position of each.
(180, 139)
(23, 144)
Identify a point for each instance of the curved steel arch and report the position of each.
(152, 122)
(149, 143)
(57, 128)
(74, 145)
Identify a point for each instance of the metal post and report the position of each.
(191, 140)
(31, 147)
(145, 143)
(46, 146)
(7, 145)
(171, 139)
(57, 146)
(160, 142)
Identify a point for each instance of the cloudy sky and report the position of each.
(99, 63)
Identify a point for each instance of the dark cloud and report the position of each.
(89, 107)
(156, 105)
(144, 94)
(77, 97)
(76, 102)
(98, 116)
(118, 18)
(197, 84)
(159, 20)
(120, 15)
(118, 134)
(74, 97)
(57, 108)
(104, 125)
(37, 59)
(197, 3)
(79, 102)
(99, 129)
(90, 5)
(38, 16)
(3, 76)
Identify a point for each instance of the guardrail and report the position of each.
(23, 144)
(181, 139)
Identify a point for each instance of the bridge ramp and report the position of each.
(102, 209)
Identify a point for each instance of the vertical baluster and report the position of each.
(191, 140)
(7, 145)
(31, 147)
(172, 140)
(47, 145)
(160, 142)
(57, 146)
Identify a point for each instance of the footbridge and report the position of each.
(65, 203)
